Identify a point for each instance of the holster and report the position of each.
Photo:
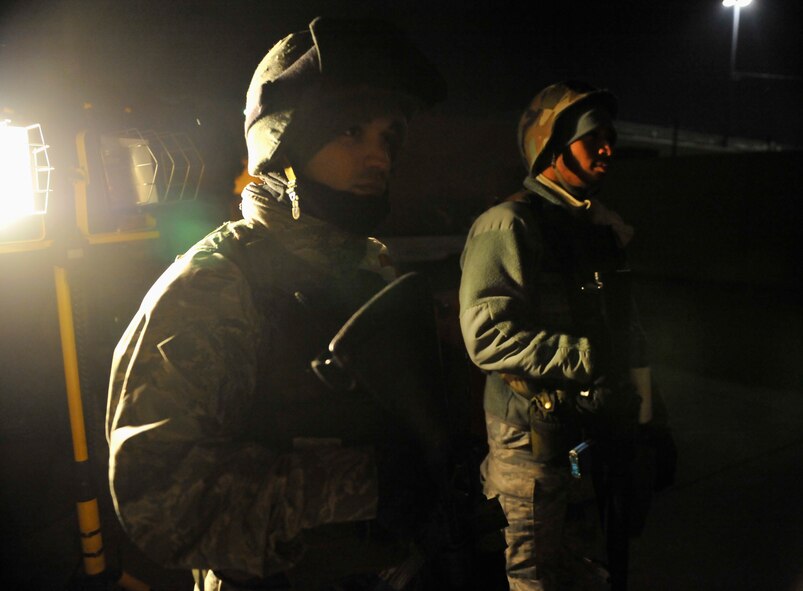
(551, 440)
(554, 428)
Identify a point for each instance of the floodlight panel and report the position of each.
(130, 168)
(17, 198)
(142, 170)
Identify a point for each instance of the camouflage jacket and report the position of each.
(515, 311)
(207, 467)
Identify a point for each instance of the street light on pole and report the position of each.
(736, 5)
(736, 75)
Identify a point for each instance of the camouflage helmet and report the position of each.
(332, 54)
(538, 135)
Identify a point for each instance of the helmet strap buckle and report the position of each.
(292, 182)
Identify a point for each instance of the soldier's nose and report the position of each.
(378, 157)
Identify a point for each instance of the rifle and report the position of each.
(598, 283)
(389, 349)
(608, 309)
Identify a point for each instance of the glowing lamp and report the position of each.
(24, 172)
(736, 5)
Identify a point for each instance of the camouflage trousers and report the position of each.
(206, 580)
(553, 525)
(337, 557)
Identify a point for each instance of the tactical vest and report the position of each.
(586, 261)
(582, 289)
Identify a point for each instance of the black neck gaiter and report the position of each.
(356, 214)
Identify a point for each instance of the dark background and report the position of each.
(185, 65)
(668, 62)
(715, 254)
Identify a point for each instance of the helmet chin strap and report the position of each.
(561, 196)
(561, 179)
(580, 192)
(292, 182)
(356, 214)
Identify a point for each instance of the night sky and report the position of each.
(176, 60)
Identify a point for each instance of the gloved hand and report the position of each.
(592, 398)
(613, 397)
(652, 470)
(658, 438)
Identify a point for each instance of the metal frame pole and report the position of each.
(86, 503)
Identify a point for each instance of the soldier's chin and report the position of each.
(597, 177)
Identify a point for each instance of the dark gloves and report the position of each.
(652, 469)
(658, 438)
(616, 402)
(654, 463)
(613, 399)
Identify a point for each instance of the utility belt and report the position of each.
(555, 423)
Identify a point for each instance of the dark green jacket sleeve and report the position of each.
(186, 487)
(504, 326)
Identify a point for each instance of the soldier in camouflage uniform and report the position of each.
(526, 264)
(227, 453)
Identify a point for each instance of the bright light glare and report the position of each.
(24, 172)
(16, 179)
(736, 3)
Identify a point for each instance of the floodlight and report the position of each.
(180, 166)
(149, 168)
(24, 172)
(736, 3)
(124, 178)
(130, 168)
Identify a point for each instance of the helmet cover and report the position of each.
(333, 55)
(539, 126)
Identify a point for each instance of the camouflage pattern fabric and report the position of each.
(189, 485)
(546, 549)
(538, 122)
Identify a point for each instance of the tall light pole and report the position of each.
(736, 74)
(736, 5)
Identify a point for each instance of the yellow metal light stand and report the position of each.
(131, 223)
(87, 509)
(87, 503)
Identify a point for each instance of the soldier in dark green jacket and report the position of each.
(529, 313)
(227, 453)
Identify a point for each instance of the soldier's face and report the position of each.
(585, 162)
(360, 158)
